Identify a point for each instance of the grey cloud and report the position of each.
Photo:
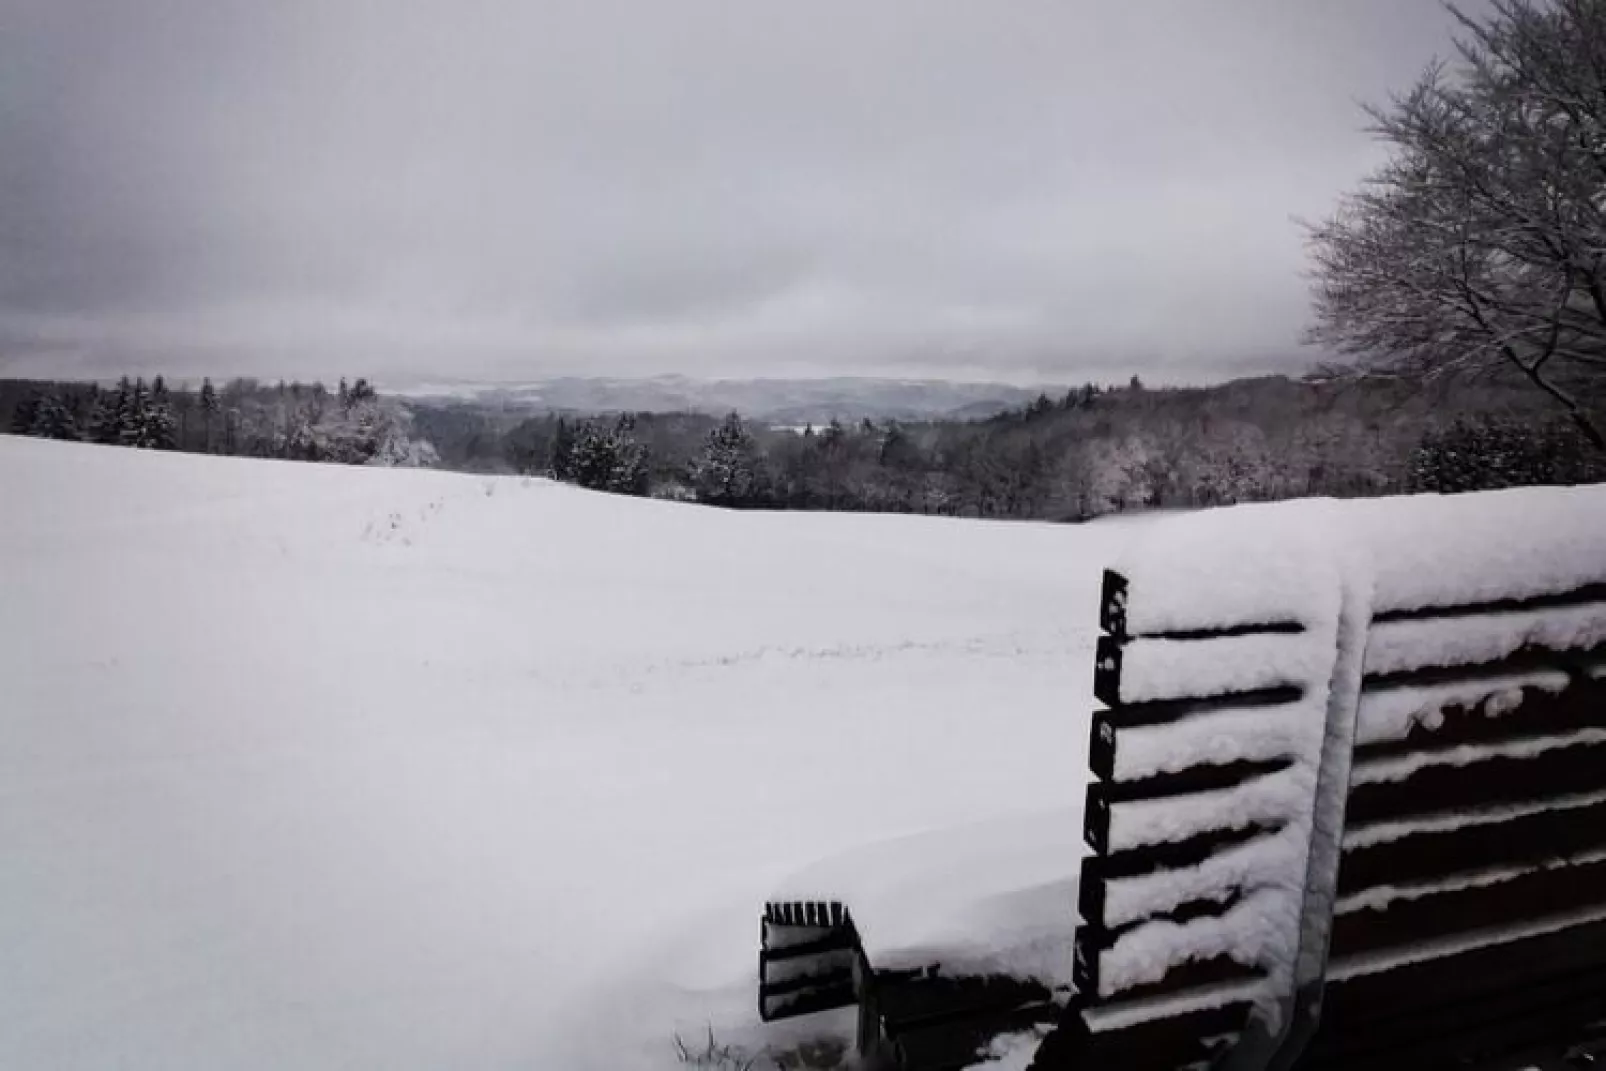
(515, 189)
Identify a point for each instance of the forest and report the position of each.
(294, 421)
(1091, 451)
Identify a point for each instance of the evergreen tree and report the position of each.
(26, 413)
(121, 429)
(103, 418)
(52, 419)
(209, 408)
(609, 458)
(560, 462)
(157, 430)
(1483, 455)
(726, 474)
(131, 429)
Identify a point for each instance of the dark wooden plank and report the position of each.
(958, 1044)
(1164, 711)
(1525, 660)
(1169, 1042)
(1223, 632)
(1525, 841)
(1099, 871)
(1578, 596)
(839, 995)
(1112, 604)
(1453, 978)
(1351, 1033)
(825, 979)
(1113, 600)
(1096, 812)
(906, 1003)
(1187, 911)
(1560, 771)
(1505, 1032)
(1540, 713)
(1092, 942)
(1193, 779)
(840, 940)
(1108, 660)
(1096, 818)
(1107, 671)
(1107, 733)
(1417, 1012)
(1532, 896)
(1171, 855)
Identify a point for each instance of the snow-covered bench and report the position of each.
(1350, 791)
(1348, 802)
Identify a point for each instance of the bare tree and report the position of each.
(1480, 246)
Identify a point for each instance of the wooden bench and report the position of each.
(811, 959)
(1360, 826)
(1467, 926)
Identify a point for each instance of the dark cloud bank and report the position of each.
(510, 190)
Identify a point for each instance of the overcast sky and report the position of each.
(1016, 189)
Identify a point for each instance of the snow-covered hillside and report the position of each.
(320, 767)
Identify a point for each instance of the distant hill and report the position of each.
(771, 401)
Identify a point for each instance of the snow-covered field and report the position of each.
(317, 767)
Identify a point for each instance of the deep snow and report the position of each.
(321, 767)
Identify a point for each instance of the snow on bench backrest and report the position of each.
(1451, 649)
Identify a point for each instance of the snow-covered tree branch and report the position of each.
(1480, 247)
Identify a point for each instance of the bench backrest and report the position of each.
(1449, 900)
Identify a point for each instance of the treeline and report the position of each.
(1088, 452)
(304, 422)
(1091, 451)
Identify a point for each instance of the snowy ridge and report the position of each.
(1264, 801)
(1111, 1017)
(1379, 897)
(1392, 713)
(1521, 543)
(1386, 832)
(1259, 929)
(1155, 669)
(1376, 771)
(1417, 643)
(1245, 566)
(1222, 876)
(1216, 738)
(1394, 958)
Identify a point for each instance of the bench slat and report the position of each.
(1560, 771)
(1528, 840)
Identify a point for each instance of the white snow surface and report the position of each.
(1433, 550)
(1257, 564)
(1260, 929)
(1391, 713)
(1214, 738)
(1266, 563)
(1267, 800)
(1168, 669)
(320, 767)
(1457, 641)
(984, 897)
(1243, 866)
